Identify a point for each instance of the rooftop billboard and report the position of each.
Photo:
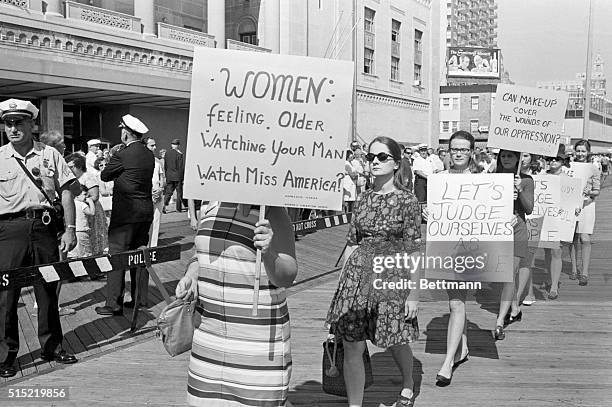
(467, 62)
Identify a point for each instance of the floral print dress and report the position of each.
(382, 225)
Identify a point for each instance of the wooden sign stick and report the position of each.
(262, 214)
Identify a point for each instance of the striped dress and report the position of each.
(236, 359)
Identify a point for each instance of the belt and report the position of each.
(27, 214)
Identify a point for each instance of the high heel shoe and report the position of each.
(499, 334)
(515, 318)
(443, 381)
(462, 361)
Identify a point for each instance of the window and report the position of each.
(369, 20)
(418, 41)
(249, 38)
(473, 126)
(455, 103)
(454, 126)
(418, 56)
(445, 102)
(395, 69)
(444, 126)
(417, 75)
(395, 30)
(368, 61)
(474, 100)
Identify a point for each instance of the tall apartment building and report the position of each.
(471, 23)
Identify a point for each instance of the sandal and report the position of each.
(573, 276)
(583, 280)
(403, 401)
(553, 295)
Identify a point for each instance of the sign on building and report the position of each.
(464, 62)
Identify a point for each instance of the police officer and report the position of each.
(28, 235)
(132, 170)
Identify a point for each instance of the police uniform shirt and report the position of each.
(17, 191)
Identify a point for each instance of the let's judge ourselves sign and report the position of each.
(268, 129)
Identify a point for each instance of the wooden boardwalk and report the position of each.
(559, 355)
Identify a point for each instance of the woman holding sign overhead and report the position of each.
(586, 220)
(237, 358)
(386, 222)
(462, 161)
(509, 162)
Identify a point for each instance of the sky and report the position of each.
(546, 40)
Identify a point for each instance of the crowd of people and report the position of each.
(237, 357)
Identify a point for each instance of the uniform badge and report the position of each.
(46, 162)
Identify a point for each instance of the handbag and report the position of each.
(176, 324)
(56, 215)
(333, 365)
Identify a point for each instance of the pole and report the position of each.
(262, 212)
(354, 107)
(587, 86)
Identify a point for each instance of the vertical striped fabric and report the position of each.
(236, 359)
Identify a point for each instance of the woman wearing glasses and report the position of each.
(386, 221)
(462, 161)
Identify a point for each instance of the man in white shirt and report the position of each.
(422, 168)
(93, 146)
(435, 160)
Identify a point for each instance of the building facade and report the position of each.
(466, 108)
(391, 42)
(471, 23)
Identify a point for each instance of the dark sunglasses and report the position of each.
(382, 157)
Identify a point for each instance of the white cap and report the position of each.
(16, 107)
(421, 146)
(93, 142)
(133, 124)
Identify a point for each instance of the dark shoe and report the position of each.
(108, 311)
(443, 381)
(500, 335)
(60, 356)
(583, 280)
(460, 362)
(515, 318)
(7, 370)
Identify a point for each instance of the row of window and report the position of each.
(451, 126)
(369, 48)
(446, 103)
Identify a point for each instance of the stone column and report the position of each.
(145, 10)
(55, 8)
(215, 19)
(271, 30)
(52, 114)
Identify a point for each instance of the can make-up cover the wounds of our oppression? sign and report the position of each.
(268, 129)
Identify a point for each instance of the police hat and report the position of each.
(131, 123)
(176, 142)
(17, 108)
(93, 142)
(422, 146)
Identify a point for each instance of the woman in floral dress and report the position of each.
(386, 221)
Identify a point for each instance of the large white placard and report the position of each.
(469, 232)
(268, 129)
(571, 199)
(543, 223)
(527, 119)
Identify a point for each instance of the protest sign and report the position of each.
(544, 221)
(581, 171)
(469, 231)
(570, 199)
(527, 119)
(268, 129)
